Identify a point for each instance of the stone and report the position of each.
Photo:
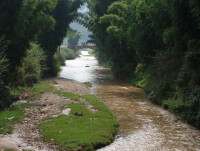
(19, 102)
(66, 111)
(5, 145)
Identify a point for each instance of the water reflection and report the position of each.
(85, 69)
(143, 125)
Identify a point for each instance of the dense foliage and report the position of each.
(33, 65)
(157, 44)
(64, 13)
(30, 33)
(74, 39)
(64, 53)
(20, 22)
(4, 91)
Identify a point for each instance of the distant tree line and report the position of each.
(30, 33)
(73, 38)
(154, 43)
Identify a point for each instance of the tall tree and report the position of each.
(73, 40)
(21, 21)
(64, 13)
(109, 46)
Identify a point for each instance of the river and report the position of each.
(144, 126)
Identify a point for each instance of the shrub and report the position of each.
(34, 64)
(31, 69)
(55, 67)
(61, 55)
(91, 52)
(4, 90)
(65, 53)
(192, 107)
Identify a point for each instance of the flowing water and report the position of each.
(143, 126)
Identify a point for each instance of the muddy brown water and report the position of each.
(144, 126)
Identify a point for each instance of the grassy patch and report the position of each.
(83, 129)
(69, 95)
(15, 92)
(176, 106)
(35, 91)
(11, 116)
(42, 87)
(63, 107)
(88, 84)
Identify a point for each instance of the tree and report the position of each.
(109, 46)
(21, 21)
(73, 39)
(64, 13)
(4, 91)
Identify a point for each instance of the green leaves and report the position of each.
(64, 13)
(3, 60)
(32, 18)
(194, 5)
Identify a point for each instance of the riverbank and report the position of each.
(58, 106)
(182, 103)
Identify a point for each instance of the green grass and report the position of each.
(6, 125)
(38, 89)
(69, 95)
(88, 84)
(15, 92)
(82, 129)
(173, 105)
(35, 91)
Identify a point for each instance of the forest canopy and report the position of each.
(30, 33)
(156, 44)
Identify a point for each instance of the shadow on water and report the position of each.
(143, 125)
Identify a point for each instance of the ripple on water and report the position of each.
(148, 138)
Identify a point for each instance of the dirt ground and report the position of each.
(71, 86)
(26, 134)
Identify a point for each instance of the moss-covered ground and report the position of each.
(11, 116)
(82, 129)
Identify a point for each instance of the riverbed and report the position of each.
(143, 125)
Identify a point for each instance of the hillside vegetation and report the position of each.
(156, 45)
(30, 34)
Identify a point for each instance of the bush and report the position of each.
(91, 52)
(34, 64)
(192, 107)
(5, 99)
(61, 56)
(66, 54)
(31, 69)
(4, 90)
(55, 66)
